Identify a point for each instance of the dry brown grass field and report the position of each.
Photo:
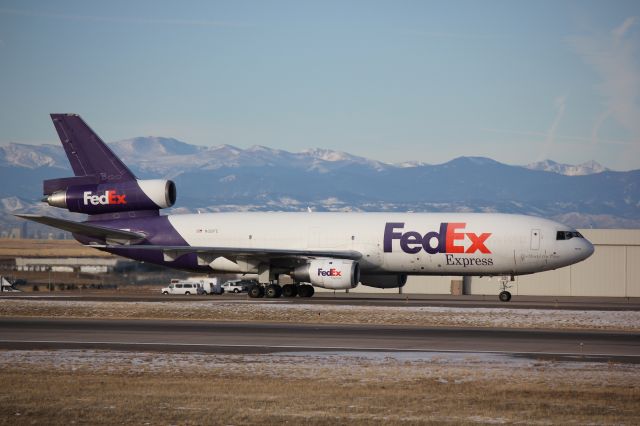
(94, 387)
(47, 248)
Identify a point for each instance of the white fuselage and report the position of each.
(397, 243)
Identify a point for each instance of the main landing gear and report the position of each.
(256, 291)
(274, 290)
(505, 285)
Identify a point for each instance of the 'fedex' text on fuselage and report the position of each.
(449, 239)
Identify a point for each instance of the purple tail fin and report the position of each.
(91, 159)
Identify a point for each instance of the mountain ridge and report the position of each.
(259, 178)
(137, 148)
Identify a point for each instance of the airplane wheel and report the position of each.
(272, 291)
(306, 291)
(256, 291)
(302, 291)
(504, 296)
(289, 290)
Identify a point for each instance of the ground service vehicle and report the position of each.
(181, 288)
(194, 286)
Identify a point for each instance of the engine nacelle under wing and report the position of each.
(384, 281)
(115, 197)
(334, 274)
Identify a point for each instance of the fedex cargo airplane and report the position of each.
(330, 250)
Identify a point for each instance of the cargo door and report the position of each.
(535, 239)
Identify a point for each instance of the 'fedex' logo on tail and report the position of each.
(333, 272)
(448, 239)
(108, 198)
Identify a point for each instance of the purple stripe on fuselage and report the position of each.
(160, 232)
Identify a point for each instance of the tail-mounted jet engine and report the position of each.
(334, 274)
(115, 197)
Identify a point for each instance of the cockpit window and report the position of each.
(567, 235)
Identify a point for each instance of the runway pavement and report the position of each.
(362, 299)
(231, 337)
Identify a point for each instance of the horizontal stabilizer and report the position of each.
(117, 236)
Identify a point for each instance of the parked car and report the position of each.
(238, 286)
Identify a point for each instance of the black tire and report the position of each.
(273, 291)
(302, 291)
(504, 296)
(305, 291)
(289, 290)
(236, 291)
(187, 293)
(165, 292)
(256, 292)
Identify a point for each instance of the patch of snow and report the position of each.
(587, 168)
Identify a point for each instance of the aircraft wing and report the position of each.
(207, 255)
(108, 234)
(124, 240)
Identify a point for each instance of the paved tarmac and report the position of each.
(361, 299)
(232, 337)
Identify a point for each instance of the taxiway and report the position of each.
(251, 337)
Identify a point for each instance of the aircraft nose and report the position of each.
(588, 249)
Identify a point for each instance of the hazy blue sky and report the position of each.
(517, 81)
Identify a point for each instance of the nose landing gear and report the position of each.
(504, 296)
(505, 285)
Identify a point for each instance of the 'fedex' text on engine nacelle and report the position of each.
(449, 239)
(108, 198)
(333, 272)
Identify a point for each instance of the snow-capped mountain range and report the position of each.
(167, 155)
(227, 178)
(588, 168)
